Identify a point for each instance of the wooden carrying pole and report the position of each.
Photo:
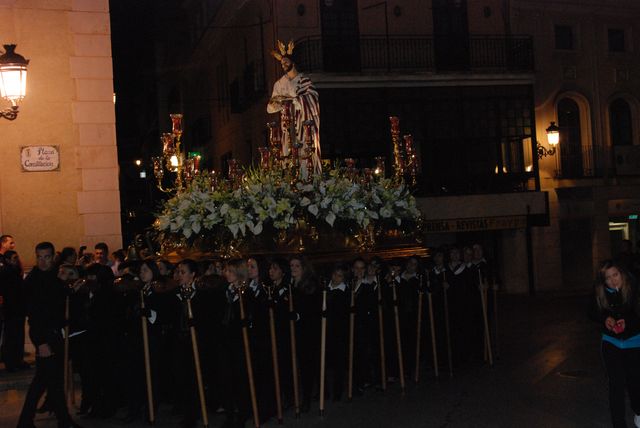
(294, 356)
(445, 286)
(66, 348)
(398, 338)
(495, 320)
(247, 357)
(433, 329)
(274, 356)
(352, 323)
(323, 348)
(419, 330)
(72, 385)
(483, 302)
(196, 359)
(383, 363)
(147, 361)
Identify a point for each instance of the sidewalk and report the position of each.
(548, 374)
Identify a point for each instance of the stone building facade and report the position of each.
(69, 104)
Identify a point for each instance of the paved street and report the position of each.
(548, 375)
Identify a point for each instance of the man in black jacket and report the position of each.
(45, 309)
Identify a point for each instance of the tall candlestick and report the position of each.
(398, 161)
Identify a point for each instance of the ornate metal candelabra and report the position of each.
(411, 158)
(398, 160)
(287, 155)
(174, 160)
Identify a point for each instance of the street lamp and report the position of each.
(13, 80)
(553, 134)
(553, 137)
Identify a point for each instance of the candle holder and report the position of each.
(379, 171)
(309, 147)
(350, 168)
(168, 148)
(173, 159)
(265, 158)
(398, 160)
(411, 158)
(176, 124)
(288, 127)
(367, 176)
(213, 181)
(275, 141)
(235, 173)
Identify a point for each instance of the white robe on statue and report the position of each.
(306, 107)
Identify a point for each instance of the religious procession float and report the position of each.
(292, 201)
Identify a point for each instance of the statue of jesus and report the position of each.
(298, 89)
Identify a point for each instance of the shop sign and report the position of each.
(40, 158)
(475, 224)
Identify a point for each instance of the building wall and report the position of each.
(593, 77)
(69, 103)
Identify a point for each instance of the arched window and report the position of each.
(570, 138)
(620, 123)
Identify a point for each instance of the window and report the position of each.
(616, 40)
(570, 138)
(564, 37)
(222, 91)
(620, 123)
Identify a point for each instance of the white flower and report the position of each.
(330, 218)
(265, 202)
(385, 212)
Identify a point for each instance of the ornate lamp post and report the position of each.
(13, 80)
(553, 137)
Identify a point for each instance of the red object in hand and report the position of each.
(619, 327)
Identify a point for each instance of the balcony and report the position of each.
(627, 160)
(379, 54)
(585, 161)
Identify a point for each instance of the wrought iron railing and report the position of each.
(627, 160)
(582, 161)
(511, 53)
(417, 53)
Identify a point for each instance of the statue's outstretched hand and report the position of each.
(280, 99)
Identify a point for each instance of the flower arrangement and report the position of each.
(264, 203)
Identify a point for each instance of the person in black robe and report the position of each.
(366, 353)
(258, 301)
(184, 367)
(45, 308)
(279, 281)
(235, 376)
(307, 300)
(338, 302)
(15, 312)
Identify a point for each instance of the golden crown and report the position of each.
(284, 51)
